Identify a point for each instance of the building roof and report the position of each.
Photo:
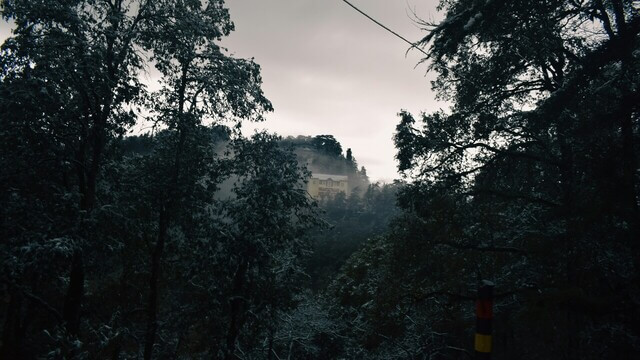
(329, 177)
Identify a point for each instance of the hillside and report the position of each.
(323, 154)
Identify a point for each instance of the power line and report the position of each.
(386, 28)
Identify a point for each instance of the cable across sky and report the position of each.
(414, 46)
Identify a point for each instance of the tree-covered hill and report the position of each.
(323, 154)
(351, 220)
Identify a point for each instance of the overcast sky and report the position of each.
(329, 70)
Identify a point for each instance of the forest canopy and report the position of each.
(531, 178)
(196, 241)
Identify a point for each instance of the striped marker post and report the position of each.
(484, 316)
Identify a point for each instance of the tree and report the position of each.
(76, 64)
(327, 144)
(540, 130)
(70, 87)
(200, 83)
(271, 213)
(233, 251)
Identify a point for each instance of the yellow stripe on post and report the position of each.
(483, 343)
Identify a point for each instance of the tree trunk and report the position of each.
(87, 180)
(166, 213)
(629, 161)
(236, 305)
(75, 293)
(12, 333)
(152, 320)
(571, 255)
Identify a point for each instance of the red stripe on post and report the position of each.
(484, 309)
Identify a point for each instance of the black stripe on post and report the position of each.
(483, 326)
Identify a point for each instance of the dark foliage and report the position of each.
(529, 180)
